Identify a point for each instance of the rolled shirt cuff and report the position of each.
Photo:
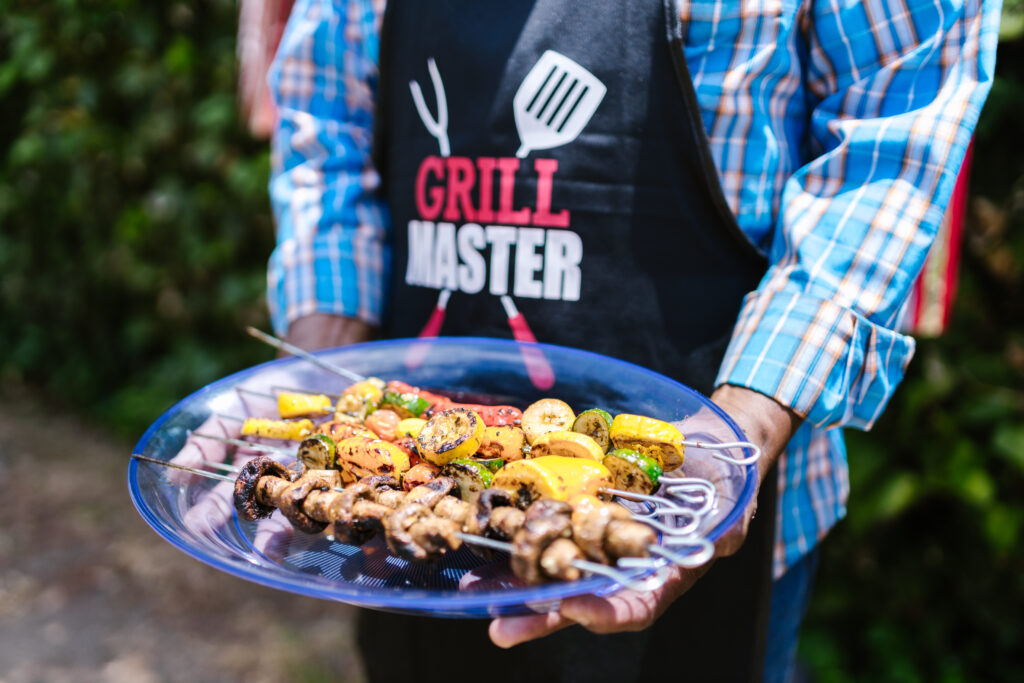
(828, 363)
(326, 277)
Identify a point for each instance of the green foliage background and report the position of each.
(134, 232)
(133, 205)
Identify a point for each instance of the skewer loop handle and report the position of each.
(749, 460)
(304, 354)
(648, 584)
(703, 551)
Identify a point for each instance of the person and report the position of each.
(737, 195)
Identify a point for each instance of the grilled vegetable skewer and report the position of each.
(425, 523)
(556, 477)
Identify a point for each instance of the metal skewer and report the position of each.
(705, 549)
(749, 460)
(193, 470)
(280, 389)
(348, 374)
(302, 353)
(242, 443)
(661, 506)
(223, 466)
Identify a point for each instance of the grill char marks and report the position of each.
(544, 522)
(548, 538)
(292, 499)
(249, 508)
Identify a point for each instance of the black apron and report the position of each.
(549, 177)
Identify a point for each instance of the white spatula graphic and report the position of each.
(554, 102)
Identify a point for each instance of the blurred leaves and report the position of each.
(135, 219)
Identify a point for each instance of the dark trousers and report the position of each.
(715, 632)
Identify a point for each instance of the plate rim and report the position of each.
(484, 604)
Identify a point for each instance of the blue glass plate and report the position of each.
(196, 514)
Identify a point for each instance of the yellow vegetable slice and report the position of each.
(369, 390)
(361, 397)
(567, 443)
(649, 436)
(547, 415)
(449, 435)
(294, 430)
(551, 476)
(410, 426)
(502, 441)
(290, 404)
(317, 452)
(359, 456)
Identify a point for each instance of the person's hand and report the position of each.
(323, 330)
(766, 423)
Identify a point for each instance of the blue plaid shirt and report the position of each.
(837, 128)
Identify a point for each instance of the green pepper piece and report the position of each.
(406, 405)
(633, 471)
(317, 452)
(470, 476)
(595, 423)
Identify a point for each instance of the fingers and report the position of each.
(733, 539)
(197, 451)
(626, 611)
(508, 631)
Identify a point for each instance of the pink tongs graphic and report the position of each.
(537, 365)
(418, 351)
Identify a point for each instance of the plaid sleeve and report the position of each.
(897, 87)
(332, 253)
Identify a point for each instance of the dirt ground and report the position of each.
(88, 592)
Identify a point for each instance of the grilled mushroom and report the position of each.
(346, 526)
(397, 525)
(479, 521)
(486, 504)
(556, 560)
(246, 502)
(626, 538)
(435, 535)
(429, 493)
(294, 496)
(454, 509)
(545, 521)
(590, 518)
(505, 522)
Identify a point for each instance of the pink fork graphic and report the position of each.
(537, 366)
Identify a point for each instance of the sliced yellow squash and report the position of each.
(410, 426)
(294, 430)
(359, 457)
(649, 436)
(505, 441)
(551, 476)
(567, 443)
(291, 404)
(449, 435)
